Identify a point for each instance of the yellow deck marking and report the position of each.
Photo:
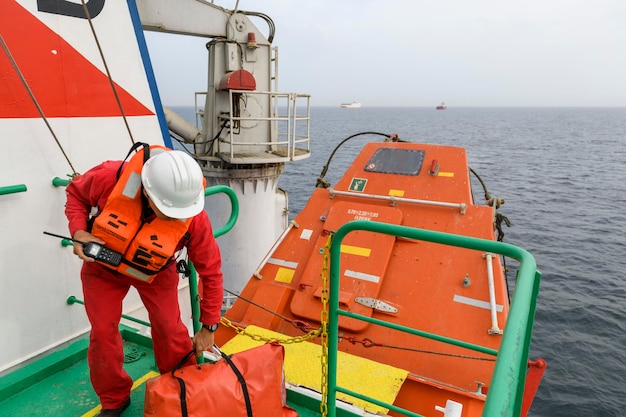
(284, 275)
(92, 412)
(144, 378)
(396, 193)
(302, 367)
(136, 384)
(355, 250)
(445, 174)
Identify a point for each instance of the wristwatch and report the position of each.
(212, 328)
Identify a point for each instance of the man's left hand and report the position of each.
(203, 341)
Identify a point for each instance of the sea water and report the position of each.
(562, 173)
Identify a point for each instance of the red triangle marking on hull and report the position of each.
(63, 81)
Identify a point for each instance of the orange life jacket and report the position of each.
(147, 247)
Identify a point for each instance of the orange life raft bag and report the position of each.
(247, 384)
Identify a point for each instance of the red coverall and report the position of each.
(104, 290)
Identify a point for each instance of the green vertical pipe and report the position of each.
(194, 295)
(193, 276)
(195, 303)
(12, 189)
(195, 298)
(333, 322)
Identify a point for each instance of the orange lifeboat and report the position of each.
(452, 292)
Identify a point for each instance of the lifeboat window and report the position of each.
(396, 161)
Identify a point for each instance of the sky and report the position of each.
(398, 53)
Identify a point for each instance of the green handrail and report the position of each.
(507, 384)
(12, 189)
(193, 276)
(234, 213)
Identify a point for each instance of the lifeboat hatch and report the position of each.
(364, 260)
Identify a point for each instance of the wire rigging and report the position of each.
(321, 182)
(499, 218)
(35, 102)
(106, 67)
(38, 106)
(367, 342)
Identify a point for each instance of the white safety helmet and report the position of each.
(174, 182)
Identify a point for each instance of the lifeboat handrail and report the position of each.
(507, 384)
(492, 294)
(392, 199)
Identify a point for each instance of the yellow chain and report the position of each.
(286, 341)
(324, 328)
(322, 332)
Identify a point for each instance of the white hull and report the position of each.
(57, 56)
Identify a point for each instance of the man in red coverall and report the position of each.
(173, 185)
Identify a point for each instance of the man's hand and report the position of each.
(84, 236)
(203, 341)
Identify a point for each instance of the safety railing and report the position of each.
(288, 126)
(507, 385)
(393, 200)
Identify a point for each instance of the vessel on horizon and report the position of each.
(353, 105)
(442, 106)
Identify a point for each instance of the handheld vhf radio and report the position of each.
(96, 251)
